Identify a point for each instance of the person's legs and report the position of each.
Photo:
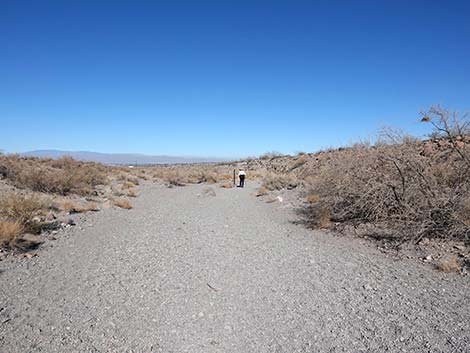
(242, 180)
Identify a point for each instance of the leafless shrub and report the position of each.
(452, 126)
(406, 193)
(392, 136)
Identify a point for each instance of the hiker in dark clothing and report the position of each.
(241, 176)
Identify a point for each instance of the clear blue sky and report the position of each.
(224, 78)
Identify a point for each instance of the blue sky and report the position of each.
(225, 78)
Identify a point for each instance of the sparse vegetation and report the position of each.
(448, 264)
(122, 203)
(9, 232)
(38, 189)
(261, 191)
(312, 198)
(400, 188)
(273, 181)
(131, 193)
(128, 185)
(63, 176)
(22, 209)
(405, 189)
(74, 207)
(19, 216)
(180, 175)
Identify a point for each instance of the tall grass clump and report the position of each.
(18, 218)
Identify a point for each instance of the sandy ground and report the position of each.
(185, 271)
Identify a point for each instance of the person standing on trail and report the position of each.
(241, 176)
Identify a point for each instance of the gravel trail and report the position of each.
(185, 271)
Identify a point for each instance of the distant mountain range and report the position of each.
(120, 158)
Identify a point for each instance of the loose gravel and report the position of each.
(187, 271)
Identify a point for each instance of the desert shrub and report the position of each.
(74, 207)
(128, 178)
(448, 264)
(131, 193)
(179, 175)
(12, 237)
(273, 181)
(9, 231)
(22, 209)
(128, 185)
(63, 176)
(208, 177)
(261, 191)
(122, 203)
(312, 198)
(225, 176)
(174, 178)
(226, 185)
(406, 192)
(299, 161)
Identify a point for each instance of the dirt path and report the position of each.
(188, 272)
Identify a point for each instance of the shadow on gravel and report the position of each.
(305, 217)
(312, 218)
